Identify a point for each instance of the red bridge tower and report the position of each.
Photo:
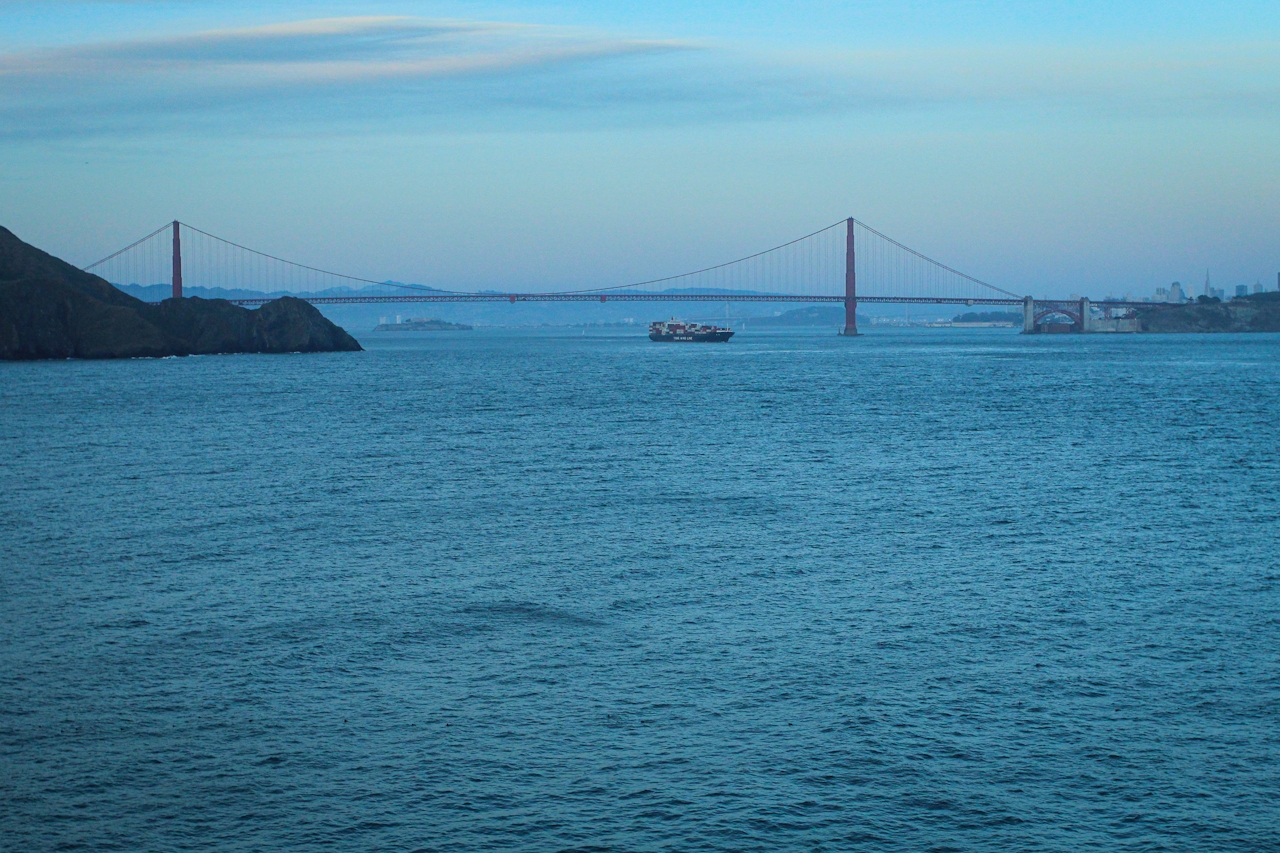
(177, 262)
(850, 283)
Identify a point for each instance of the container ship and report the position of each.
(674, 330)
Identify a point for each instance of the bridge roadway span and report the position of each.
(683, 297)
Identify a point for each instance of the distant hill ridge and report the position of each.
(51, 309)
(813, 315)
(159, 292)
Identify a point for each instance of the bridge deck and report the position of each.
(670, 297)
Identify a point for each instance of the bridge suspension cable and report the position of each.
(132, 245)
(936, 265)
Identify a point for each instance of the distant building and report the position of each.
(1242, 290)
(1257, 288)
(1175, 293)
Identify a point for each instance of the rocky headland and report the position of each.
(51, 309)
(1257, 313)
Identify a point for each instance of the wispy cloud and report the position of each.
(119, 84)
(383, 72)
(322, 51)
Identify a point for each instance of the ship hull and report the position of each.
(695, 337)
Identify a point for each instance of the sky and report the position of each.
(1045, 147)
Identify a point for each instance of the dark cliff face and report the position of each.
(50, 309)
(1257, 313)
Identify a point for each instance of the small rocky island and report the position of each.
(422, 324)
(50, 309)
(1259, 312)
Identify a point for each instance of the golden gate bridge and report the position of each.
(847, 262)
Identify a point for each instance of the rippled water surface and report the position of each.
(931, 590)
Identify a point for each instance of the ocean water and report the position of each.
(932, 590)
